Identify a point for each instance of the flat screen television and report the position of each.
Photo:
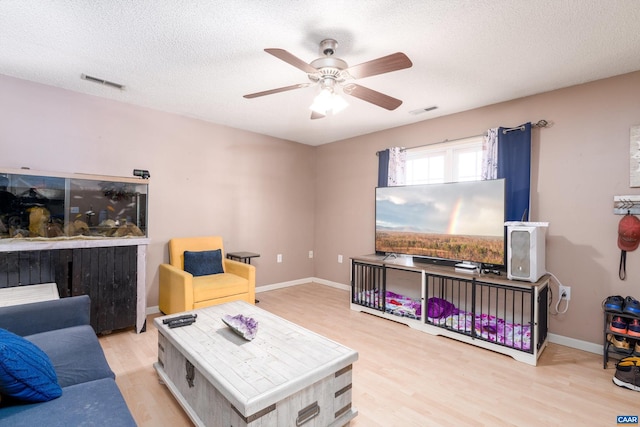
(454, 222)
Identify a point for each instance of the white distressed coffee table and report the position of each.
(287, 376)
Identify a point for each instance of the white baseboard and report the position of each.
(153, 310)
(577, 344)
(554, 338)
(332, 284)
(281, 285)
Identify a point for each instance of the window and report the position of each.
(454, 161)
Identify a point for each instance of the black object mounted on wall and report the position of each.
(142, 173)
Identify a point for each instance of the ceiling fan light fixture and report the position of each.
(339, 104)
(327, 101)
(332, 75)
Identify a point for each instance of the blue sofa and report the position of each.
(90, 395)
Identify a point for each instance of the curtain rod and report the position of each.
(539, 124)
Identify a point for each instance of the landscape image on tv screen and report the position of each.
(462, 221)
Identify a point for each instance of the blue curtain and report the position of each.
(514, 164)
(383, 168)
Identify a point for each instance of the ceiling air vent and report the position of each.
(422, 110)
(102, 81)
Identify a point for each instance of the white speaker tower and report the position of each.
(526, 250)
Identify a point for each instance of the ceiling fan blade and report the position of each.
(395, 61)
(372, 96)
(278, 90)
(315, 115)
(291, 59)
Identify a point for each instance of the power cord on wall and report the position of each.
(562, 296)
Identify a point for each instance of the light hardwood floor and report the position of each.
(405, 377)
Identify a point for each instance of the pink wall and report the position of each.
(580, 163)
(206, 179)
(273, 196)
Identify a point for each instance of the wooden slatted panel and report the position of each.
(124, 288)
(63, 260)
(76, 273)
(10, 272)
(104, 280)
(27, 268)
(23, 268)
(107, 274)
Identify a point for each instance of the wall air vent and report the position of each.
(422, 110)
(102, 81)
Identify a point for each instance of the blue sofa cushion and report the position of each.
(36, 317)
(94, 403)
(203, 263)
(26, 372)
(76, 354)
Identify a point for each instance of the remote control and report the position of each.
(184, 316)
(181, 322)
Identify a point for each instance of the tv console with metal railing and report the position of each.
(486, 310)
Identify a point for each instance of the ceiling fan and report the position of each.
(333, 75)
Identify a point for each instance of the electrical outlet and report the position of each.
(340, 259)
(310, 254)
(565, 292)
(279, 258)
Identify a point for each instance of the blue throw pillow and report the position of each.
(26, 372)
(203, 263)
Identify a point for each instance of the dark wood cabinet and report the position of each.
(109, 275)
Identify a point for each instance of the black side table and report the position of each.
(242, 256)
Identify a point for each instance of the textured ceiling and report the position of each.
(197, 58)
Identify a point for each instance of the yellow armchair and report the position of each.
(181, 291)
